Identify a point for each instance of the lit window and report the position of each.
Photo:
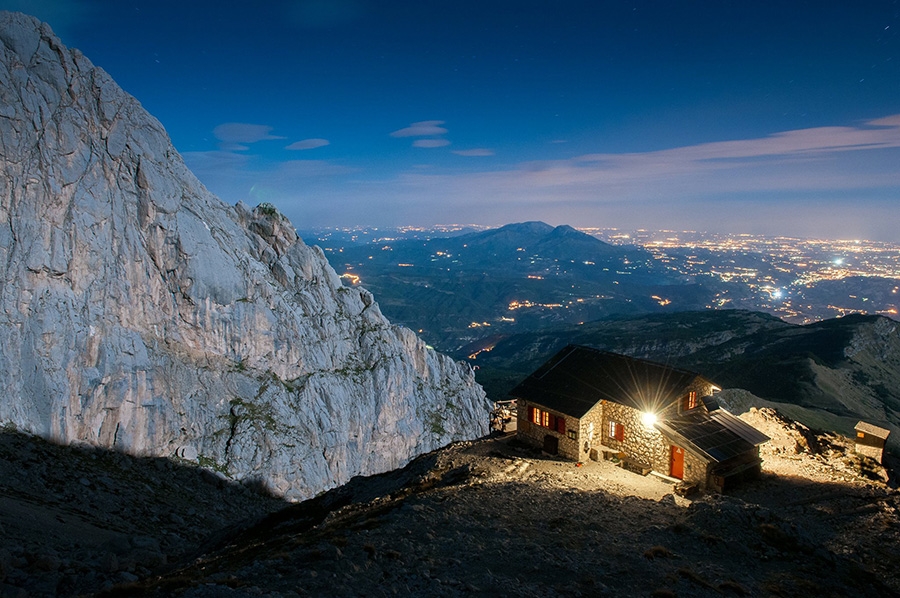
(616, 431)
(571, 434)
(547, 420)
(690, 401)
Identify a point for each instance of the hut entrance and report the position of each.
(551, 444)
(677, 463)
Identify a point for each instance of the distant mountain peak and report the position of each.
(535, 227)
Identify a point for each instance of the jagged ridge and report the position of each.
(142, 313)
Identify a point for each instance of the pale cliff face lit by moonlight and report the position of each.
(141, 313)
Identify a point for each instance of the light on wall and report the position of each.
(648, 419)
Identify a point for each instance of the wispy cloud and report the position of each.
(307, 144)
(475, 152)
(238, 134)
(835, 180)
(425, 128)
(430, 143)
(875, 134)
(793, 180)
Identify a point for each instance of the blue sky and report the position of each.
(726, 116)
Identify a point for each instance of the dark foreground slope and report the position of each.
(485, 518)
(76, 519)
(829, 374)
(492, 519)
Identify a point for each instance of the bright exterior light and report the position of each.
(648, 419)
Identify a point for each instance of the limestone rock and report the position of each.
(139, 312)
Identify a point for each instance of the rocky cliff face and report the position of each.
(139, 312)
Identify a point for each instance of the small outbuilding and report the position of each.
(870, 440)
(586, 403)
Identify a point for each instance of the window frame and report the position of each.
(690, 401)
(615, 431)
(545, 419)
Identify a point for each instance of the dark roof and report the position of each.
(710, 403)
(872, 429)
(578, 377)
(740, 427)
(720, 435)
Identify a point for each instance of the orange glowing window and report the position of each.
(616, 431)
(690, 401)
(546, 419)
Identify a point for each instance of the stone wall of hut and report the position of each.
(533, 434)
(699, 385)
(526, 431)
(568, 447)
(695, 469)
(875, 452)
(590, 432)
(640, 443)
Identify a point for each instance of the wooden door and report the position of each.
(551, 444)
(677, 463)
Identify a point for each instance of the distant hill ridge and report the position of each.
(443, 285)
(561, 242)
(828, 374)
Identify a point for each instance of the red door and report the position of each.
(677, 468)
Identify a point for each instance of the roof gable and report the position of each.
(578, 377)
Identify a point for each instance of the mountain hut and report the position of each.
(586, 403)
(870, 440)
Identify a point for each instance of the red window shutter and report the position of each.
(620, 432)
(561, 425)
(531, 414)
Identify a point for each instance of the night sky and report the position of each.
(759, 117)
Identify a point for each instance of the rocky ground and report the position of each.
(484, 518)
(75, 520)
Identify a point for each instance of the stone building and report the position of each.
(870, 440)
(585, 403)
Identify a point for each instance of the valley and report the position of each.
(757, 315)
(457, 285)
